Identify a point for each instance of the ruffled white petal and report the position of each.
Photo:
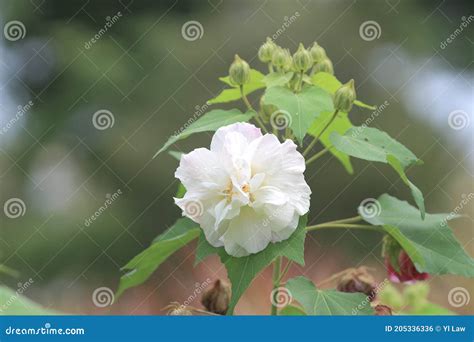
(247, 191)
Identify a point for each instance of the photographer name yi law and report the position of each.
(425, 328)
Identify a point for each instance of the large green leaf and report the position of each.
(327, 302)
(210, 121)
(374, 145)
(303, 107)
(430, 243)
(416, 193)
(232, 94)
(144, 264)
(330, 83)
(277, 79)
(291, 310)
(14, 303)
(242, 271)
(340, 125)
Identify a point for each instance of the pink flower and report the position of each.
(408, 272)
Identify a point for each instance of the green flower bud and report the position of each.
(302, 59)
(324, 65)
(239, 71)
(416, 294)
(265, 52)
(345, 97)
(279, 57)
(391, 297)
(288, 60)
(318, 53)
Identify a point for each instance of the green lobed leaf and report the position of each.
(291, 310)
(303, 107)
(416, 193)
(327, 302)
(330, 83)
(430, 243)
(144, 264)
(371, 144)
(340, 125)
(210, 121)
(232, 94)
(13, 303)
(277, 79)
(242, 271)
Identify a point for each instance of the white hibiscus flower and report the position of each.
(246, 191)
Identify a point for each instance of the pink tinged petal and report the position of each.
(248, 131)
(247, 234)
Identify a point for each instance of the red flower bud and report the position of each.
(407, 270)
(382, 310)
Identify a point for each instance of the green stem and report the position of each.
(315, 140)
(285, 271)
(270, 67)
(317, 155)
(249, 107)
(276, 284)
(300, 82)
(343, 225)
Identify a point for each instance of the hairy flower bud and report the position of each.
(399, 265)
(325, 65)
(382, 310)
(265, 53)
(217, 299)
(288, 60)
(279, 57)
(345, 97)
(302, 59)
(239, 71)
(358, 280)
(317, 52)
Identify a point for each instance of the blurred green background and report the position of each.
(152, 80)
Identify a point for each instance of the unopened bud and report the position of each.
(265, 52)
(358, 280)
(345, 97)
(325, 65)
(382, 310)
(217, 299)
(279, 57)
(416, 294)
(302, 59)
(180, 312)
(239, 71)
(317, 52)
